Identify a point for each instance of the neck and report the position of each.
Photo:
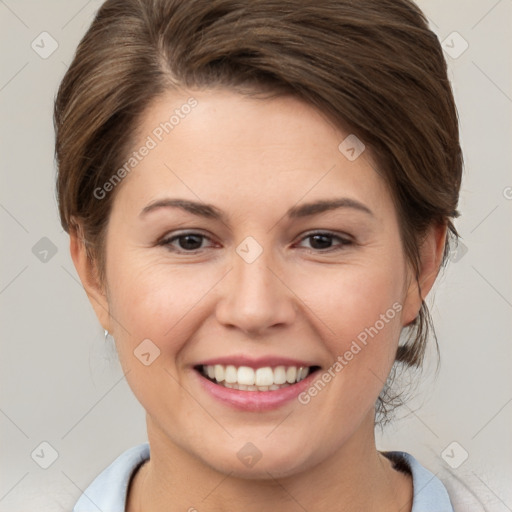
(355, 477)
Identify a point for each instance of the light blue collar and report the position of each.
(107, 492)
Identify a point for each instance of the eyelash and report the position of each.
(166, 242)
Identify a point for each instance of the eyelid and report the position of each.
(344, 239)
(169, 237)
(343, 236)
(178, 233)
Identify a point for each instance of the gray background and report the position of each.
(60, 382)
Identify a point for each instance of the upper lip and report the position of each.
(260, 362)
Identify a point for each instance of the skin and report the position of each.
(254, 159)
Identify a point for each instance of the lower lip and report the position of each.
(255, 400)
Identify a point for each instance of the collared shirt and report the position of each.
(108, 491)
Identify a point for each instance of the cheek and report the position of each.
(361, 325)
(156, 301)
(355, 298)
(360, 309)
(156, 306)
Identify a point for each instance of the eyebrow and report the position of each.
(211, 212)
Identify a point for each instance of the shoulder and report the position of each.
(429, 493)
(108, 490)
(441, 490)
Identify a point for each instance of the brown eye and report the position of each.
(322, 241)
(184, 242)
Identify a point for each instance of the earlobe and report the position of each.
(88, 274)
(431, 255)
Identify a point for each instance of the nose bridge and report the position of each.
(255, 298)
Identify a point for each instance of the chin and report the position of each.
(250, 463)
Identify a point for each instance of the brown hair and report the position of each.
(373, 67)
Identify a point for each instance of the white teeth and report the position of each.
(219, 372)
(245, 375)
(264, 376)
(230, 374)
(303, 373)
(279, 375)
(261, 379)
(291, 374)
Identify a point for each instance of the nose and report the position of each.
(255, 297)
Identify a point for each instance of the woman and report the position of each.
(259, 197)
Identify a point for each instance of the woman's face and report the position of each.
(251, 286)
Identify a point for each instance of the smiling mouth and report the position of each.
(245, 378)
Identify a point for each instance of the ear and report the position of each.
(431, 255)
(87, 271)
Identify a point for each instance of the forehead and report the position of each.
(220, 146)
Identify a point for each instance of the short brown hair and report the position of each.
(372, 66)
